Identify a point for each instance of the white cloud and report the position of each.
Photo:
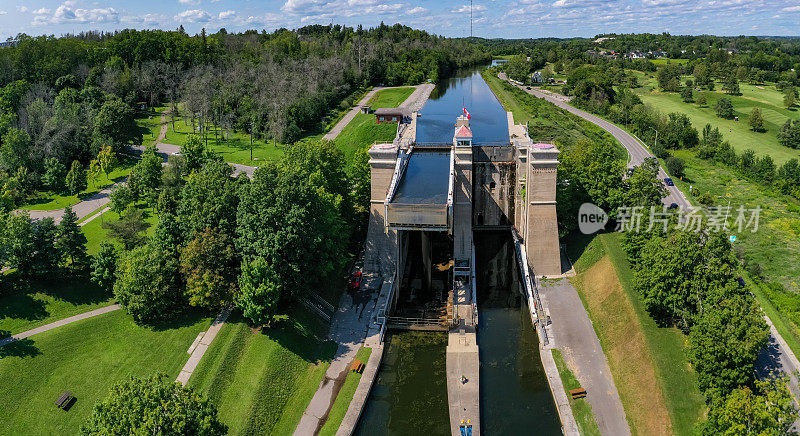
(193, 16)
(66, 14)
(22, 9)
(465, 8)
(3, 12)
(188, 2)
(791, 9)
(417, 10)
(226, 14)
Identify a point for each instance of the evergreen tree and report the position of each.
(71, 241)
(756, 120)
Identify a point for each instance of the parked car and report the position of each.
(355, 281)
(669, 182)
(528, 88)
(673, 206)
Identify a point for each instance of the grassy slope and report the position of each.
(51, 201)
(262, 382)
(581, 408)
(345, 395)
(390, 97)
(737, 132)
(43, 302)
(363, 131)
(546, 121)
(649, 363)
(85, 357)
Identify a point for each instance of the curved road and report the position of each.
(776, 356)
(636, 150)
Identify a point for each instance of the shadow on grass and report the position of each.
(22, 348)
(576, 244)
(186, 318)
(301, 333)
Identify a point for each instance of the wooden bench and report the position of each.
(578, 393)
(64, 399)
(357, 366)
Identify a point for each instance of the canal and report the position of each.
(409, 396)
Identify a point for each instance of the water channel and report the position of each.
(409, 396)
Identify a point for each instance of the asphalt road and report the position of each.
(636, 150)
(776, 356)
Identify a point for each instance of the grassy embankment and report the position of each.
(546, 122)
(738, 133)
(649, 363)
(86, 358)
(345, 395)
(262, 381)
(391, 97)
(656, 384)
(581, 409)
(363, 131)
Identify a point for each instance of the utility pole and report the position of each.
(470, 18)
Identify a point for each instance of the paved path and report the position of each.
(575, 336)
(58, 323)
(777, 356)
(462, 359)
(636, 150)
(199, 350)
(349, 329)
(337, 129)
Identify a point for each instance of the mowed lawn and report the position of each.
(391, 97)
(649, 363)
(96, 234)
(262, 381)
(86, 358)
(363, 131)
(738, 133)
(345, 396)
(42, 302)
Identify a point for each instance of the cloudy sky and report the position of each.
(492, 18)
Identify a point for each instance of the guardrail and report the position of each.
(531, 288)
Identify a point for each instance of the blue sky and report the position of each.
(492, 18)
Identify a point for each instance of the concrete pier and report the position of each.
(463, 396)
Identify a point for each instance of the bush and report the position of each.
(675, 166)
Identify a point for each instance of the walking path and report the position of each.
(197, 350)
(349, 329)
(776, 356)
(337, 129)
(575, 336)
(58, 323)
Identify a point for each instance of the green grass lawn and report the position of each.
(391, 97)
(96, 234)
(345, 396)
(663, 61)
(362, 132)
(262, 381)
(581, 409)
(738, 133)
(546, 121)
(775, 247)
(149, 123)
(87, 358)
(649, 363)
(52, 201)
(42, 302)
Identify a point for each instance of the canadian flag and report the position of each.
(466, 113)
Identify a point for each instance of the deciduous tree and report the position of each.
(209, 265)
(154, 405)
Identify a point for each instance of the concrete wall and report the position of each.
(541, 227)
(381, 245)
